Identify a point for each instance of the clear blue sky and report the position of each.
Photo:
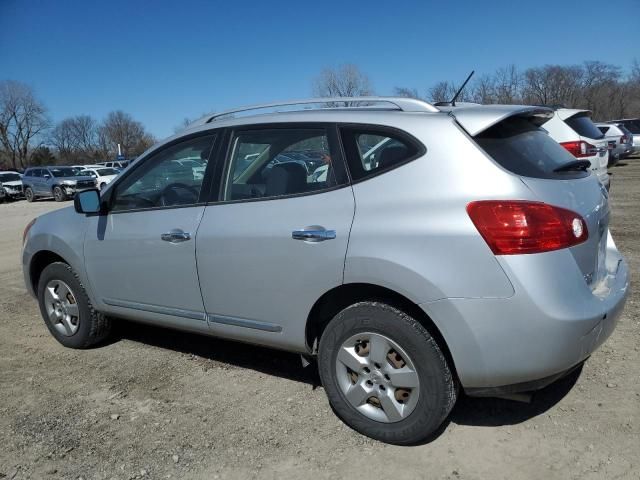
(163, 60)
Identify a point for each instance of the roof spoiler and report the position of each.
(477, 119)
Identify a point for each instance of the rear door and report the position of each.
(274, 239)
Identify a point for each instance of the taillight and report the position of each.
(579, 149)
(623, 139)
(514, 227)
(26, 230)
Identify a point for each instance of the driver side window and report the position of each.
(169, 178)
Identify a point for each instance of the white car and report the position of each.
(11, 185)
(103, 175)
(619, 139)
(633, 125)
(576, 132)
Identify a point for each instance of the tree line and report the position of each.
(29, 137)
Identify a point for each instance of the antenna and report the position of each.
(453, 100)
(452, 103)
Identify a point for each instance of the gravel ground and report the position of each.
(155, 403)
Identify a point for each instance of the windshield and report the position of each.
(9, 177)
(524, 149)
(633, 126)
(107, 171)
(583, 126)
(63, 172)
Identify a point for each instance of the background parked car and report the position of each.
(620, 144)
(57, 182)
(633, 125)
(11, 185)
(576, 132)
(102, 175)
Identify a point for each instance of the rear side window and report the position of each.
(604, 130)
(583, 126)
(525, 149)
(371, 151)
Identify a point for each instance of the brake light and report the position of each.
(515, 227)
(579, 149)
(623, 139)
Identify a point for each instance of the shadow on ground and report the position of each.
(488, 412)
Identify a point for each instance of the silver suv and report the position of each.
(443, 248)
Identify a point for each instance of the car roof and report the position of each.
(381, 110)
(566, 113)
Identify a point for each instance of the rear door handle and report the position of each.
(314, 234)
(176, 236)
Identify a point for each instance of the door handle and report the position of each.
(314, 234)
(176, 236)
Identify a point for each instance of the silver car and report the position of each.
(445, 248)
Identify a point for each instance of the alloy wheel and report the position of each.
(62, 307)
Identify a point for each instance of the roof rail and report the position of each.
(396, 103)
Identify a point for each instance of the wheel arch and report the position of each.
(39, 262)
(340, 297)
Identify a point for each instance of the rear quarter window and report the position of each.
(373, 150)
(523, 148)
(584, 126)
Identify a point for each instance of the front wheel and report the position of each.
(67, 310)
(384, 374)
(28, 194)
(58, 194)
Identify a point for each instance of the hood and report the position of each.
(12, 183)
(477, 118)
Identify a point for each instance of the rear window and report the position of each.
(583, 126)
(633, 126)
(525, 149)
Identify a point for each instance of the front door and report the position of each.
(140, 257)
(277, 239)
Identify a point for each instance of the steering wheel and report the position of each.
(170, 196)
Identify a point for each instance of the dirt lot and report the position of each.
(159, 404)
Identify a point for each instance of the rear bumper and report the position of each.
(552, 323)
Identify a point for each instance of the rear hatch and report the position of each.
(554, 176)
(581, 123)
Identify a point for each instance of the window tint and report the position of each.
(524, 149)
(604, 130)
(107, 171)
(633, 126)
(583, 126)
(273, 163)
(38, 172)
(164, 180)
(370, 151)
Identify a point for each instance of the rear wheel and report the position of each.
(58, 194)
(28, 194)
(384, 374)
(67, 310)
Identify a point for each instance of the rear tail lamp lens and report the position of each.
(515, 227)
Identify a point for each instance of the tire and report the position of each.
(28, 194)
(58, 194)
(89, 328)
(436, 386)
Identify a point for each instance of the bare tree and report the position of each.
(61, 138)
(120, 128)
(75, 139)
(507, 83)
(23, 120)
(343, 81)
(407, 92)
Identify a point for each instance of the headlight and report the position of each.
(69, 183)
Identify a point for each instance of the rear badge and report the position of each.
(577, 227)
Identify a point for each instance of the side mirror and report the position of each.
(87, 201)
